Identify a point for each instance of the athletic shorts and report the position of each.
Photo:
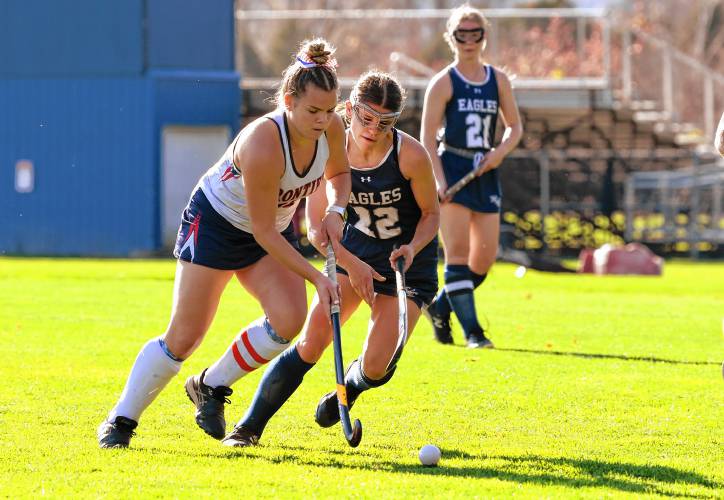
(420, 279)
(482, 194)
(207, 239)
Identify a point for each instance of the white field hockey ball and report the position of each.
(429, 455)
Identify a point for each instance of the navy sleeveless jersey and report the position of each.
(381, 204)
(472, 113)
(381, 213)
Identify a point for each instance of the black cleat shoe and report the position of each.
(116, 434)
(241, 437)
(440, 325)
(478, 340)
(209, 403)
(327, 413)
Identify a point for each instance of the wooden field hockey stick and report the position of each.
(352, 434)
(477, 162)
(401, 312)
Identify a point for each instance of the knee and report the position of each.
(182, 341)
(311, 348)
(375, 368)
(483, 265)
(288, 320)
(482, 259)
(315, 341)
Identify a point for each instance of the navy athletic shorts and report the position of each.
(207, 239)
(420, 279)
(482, 194)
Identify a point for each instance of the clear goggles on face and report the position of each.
(473, 35)
(369, 118)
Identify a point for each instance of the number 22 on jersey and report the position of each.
(381, 222)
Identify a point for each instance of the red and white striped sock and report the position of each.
(256, 345)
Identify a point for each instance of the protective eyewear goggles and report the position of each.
(473, 35)
(368, 117)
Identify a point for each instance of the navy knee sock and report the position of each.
(279, 382)
(459, 288)
(440, 306)
(357, 382)
(477, 279)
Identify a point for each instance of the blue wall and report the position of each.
(41, 38)
(199, 98)
(85, 90)
(196, 34)
(105, 37)
(91, 142)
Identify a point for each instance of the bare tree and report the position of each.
(695, 27)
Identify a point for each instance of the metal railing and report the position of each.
(668, 79)
(582, 17)
(659, 91)
(685, 204)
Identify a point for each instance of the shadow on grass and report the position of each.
(524, 469)
(648, 359)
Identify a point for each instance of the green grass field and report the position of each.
(599, 387)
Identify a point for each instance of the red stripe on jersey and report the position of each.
(239, 360)
(227, 174)
(254, 354)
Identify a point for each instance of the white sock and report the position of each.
(256, 345)
(151, 372)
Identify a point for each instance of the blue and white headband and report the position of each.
(331, 63)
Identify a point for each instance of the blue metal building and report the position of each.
(88, 90)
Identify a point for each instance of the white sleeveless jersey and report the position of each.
(223, 184)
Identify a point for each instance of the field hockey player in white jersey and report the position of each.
(238, 224)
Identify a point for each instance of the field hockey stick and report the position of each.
(352, 434)
(401, 312)
(477, 162)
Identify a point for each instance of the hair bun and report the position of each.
(318, 51)
(315, 65)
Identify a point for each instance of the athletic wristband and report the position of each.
(337, 210)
